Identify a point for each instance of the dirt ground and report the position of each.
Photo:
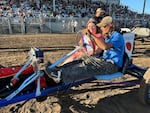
(94, 97)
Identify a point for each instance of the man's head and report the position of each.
(106, 25)
(99, 12)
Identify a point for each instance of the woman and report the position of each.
(90, 47)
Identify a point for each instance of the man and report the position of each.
(99, 15)
(89, 66)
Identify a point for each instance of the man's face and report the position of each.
(105, 29)
(99, 13)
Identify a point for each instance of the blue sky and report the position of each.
(137, 5)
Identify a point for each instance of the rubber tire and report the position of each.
(143, 92)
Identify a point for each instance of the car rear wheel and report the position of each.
(144, 92)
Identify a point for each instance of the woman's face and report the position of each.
(91, 27)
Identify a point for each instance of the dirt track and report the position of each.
(94, 97)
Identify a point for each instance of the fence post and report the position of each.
(50, 25)
(41, 22)
(41, 27)
(22, 26)
(9, 26)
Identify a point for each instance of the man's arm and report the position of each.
(101, 44)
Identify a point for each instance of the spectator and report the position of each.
(99, 15)
(75, 25)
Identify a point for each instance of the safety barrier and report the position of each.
(38, 25)
(47, 24)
